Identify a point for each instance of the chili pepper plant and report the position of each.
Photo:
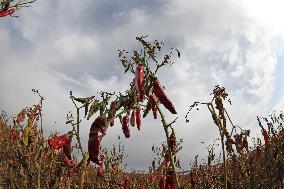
(10, 7)
(145, 93)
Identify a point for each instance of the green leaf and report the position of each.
(84, 100)
(93, 109)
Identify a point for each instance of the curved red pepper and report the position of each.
(14, 135)
(132, 119)
(125, 127)
(99, 124)
(97, 131)
(67, 148)
(7, 12)
(68, 162)
(94, 146)
(126, 182)
(101, 169)
(58, 141)
(161, 95)
(170, 180)
(139, 81)
(138, 118)
(163, 182)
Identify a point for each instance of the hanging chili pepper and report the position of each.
(7, 12)
(170, 180)
(14, 135)
(69, 162)
(67, 148)
(99, 124)
(126, 182)
(138, 118)
(161, 95)
(132, 119)
(94, 146)
(112, 112)
(101, 170)
(139, 81)
(163, 182)
(125, 126)
(58, 141)
(97, 131)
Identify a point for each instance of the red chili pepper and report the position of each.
(101, 169)
(67, 148)
(14, 135)
(161, 95)
(99, 124)
(125, 126)
(163, 182)
(97, 131)
(112, 112)
(94, 146)
(126, 182)
(170, 180)
(138, 118)
(68, 162)
(58, 141)
(132, 119)
(139, 81)
(7, 12)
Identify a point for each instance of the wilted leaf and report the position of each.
(93, 109)
(21, 116)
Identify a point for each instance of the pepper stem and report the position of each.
(165, 125)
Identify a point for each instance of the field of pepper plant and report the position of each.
(31, 159)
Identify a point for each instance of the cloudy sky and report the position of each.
(58, 46)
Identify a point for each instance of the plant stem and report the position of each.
(78, 131)
(221, 131)
(165, 125)
(38, 175)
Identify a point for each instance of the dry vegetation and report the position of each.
(29, 160)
